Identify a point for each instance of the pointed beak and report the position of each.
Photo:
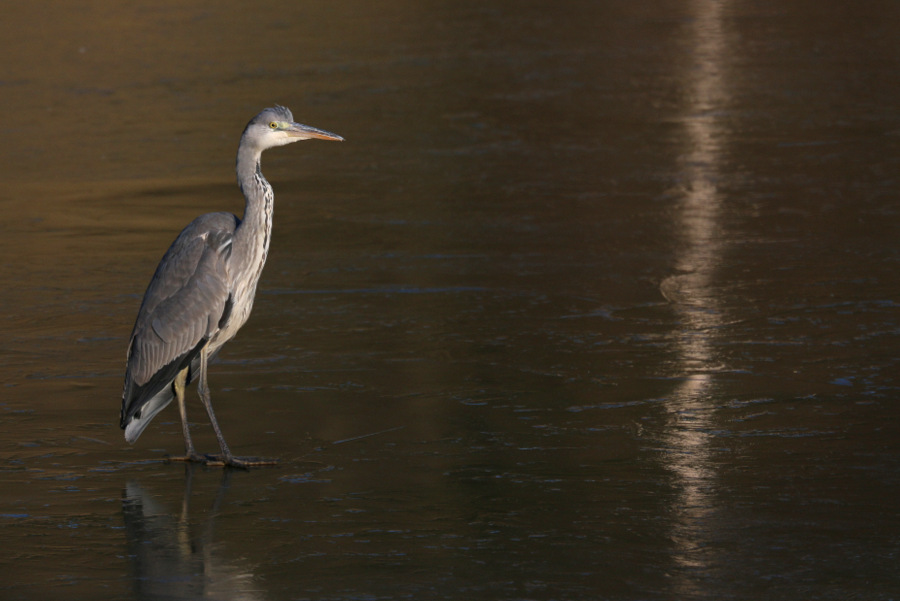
(298, 130)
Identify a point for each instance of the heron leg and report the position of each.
(190, 454)
(226, 459)
(203, 390)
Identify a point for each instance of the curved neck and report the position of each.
(250, 178)
(255, 228)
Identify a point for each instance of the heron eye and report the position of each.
(273, 125)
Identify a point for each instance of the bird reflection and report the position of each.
(172, 558)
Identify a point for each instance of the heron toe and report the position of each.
(240, 462)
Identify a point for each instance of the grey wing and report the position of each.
(186, 303)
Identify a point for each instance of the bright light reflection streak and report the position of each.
(693, 294)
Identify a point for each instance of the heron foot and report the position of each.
(191, 457)
(243, 463)
(224, 460)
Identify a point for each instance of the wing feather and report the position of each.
(182, 309)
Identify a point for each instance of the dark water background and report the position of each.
(598, 300)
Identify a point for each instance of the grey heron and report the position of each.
(202, 293)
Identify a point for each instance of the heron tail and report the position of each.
(136, 422)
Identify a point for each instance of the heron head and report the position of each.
(276, 127)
